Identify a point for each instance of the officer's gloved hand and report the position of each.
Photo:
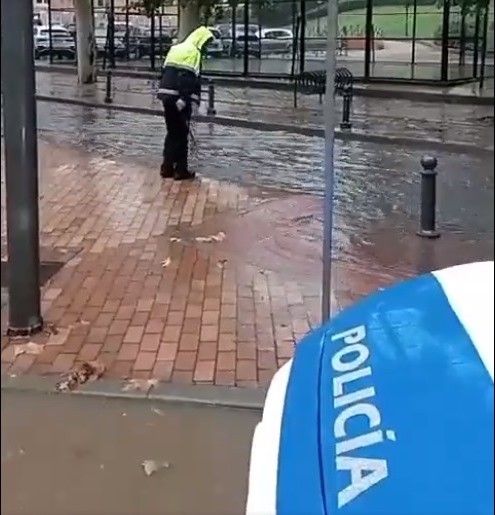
(180, 104)
(195, 109)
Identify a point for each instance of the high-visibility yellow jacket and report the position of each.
(182, 66)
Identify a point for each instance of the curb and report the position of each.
(281, 85)
(343, 135)
(197, 394)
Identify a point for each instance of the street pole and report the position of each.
(21, 166)
(332, 30)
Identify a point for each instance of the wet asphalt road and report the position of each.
(74, 455)
(385, 117)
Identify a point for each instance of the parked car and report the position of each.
(215, 47)
(62, 45)
(162, 45)
(121, 34)
(276, 41)
(262, 42)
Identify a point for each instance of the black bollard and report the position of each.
(108, 87)
(427, 227)
(211, 99)
(346, 109)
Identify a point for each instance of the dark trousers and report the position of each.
(175, 148)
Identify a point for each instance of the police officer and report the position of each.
(180, 88)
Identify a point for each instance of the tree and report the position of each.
(189, 13)
(86, 47)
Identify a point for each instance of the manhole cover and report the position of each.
(47, 270)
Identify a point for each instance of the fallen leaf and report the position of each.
(88, 371)
(28, 348)
(152, 466)
(219, 236)
(59, 336)
(158, 411)
(139, 384)
(84, 322)
(166, 262)
(221, 263)
(174, 238)
(51, 328)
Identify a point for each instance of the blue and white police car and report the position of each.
(388, 408)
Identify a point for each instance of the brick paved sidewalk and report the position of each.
(144, 293)
(146, 305)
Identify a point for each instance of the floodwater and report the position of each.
(70, 455)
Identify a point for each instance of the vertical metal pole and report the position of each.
(483, 48)
(127, 34)
(295, 29)
(444, 65)
(111, 32)
(332, 31)
(160, 33)
(245, 68)
(477, 23)
(406, 23)
(369, 39)
(21, 165)
(152, 41)
(50, 36)
(414, 32)
(302, 41)
(233, 45)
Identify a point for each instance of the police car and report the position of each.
(388, 408)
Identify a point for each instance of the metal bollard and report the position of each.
(108, 87)
(427, 227)
(211, 99)
(346, 109)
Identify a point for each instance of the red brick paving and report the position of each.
(223, 313)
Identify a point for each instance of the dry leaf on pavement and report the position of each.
(88, 371)
(28, 348)
(221, 263)
(219, 236)
(174, 238)
(166, 262)
(152, 466)
(59, 337)
(51, 328)
(139, 384)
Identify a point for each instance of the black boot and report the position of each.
(166, 172)
(184, 176)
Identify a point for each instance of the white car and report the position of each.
(62, 44)
(262, 42)
(215, 46)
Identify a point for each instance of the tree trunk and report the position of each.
(189, 18)
(86, 48)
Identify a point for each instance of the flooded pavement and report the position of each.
(386, 117)
(70, 455)
(373, 182)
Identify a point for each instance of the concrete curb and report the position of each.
(343, 135)
(197, 394)
(285, 85)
